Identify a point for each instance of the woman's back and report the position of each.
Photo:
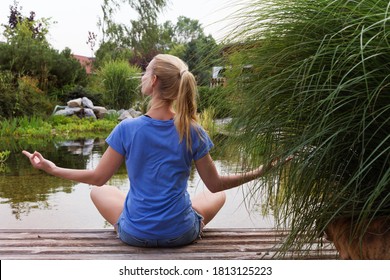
(158, 165)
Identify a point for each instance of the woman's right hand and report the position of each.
(39, 162)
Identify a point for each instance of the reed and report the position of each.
(318, 88)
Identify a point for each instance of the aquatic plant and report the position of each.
(318, 87)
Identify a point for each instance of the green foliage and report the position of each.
(29, 99)
(177, 50)
(70, 92)
(318, 88)
(37, 29)
(55, 127)
(3, 157)
(27, 56)
(120, 83)
(206, 120)
(187, 30)
(141, 35)
(201, 55)
(25, 126)
(185, 39)
(24, 55)
(218, 98)
(7, 89)
(142, 104)
(30, 68)
(74, 127)
(21, 97)
(65, 70)
(110, 51)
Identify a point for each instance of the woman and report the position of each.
(158, 149)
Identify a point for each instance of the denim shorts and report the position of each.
(186, 238)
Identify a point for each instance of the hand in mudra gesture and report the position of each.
(38, 161)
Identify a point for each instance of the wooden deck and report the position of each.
(97, 244)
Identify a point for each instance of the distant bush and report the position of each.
(7, 98)
(120, 83)
(30, 100)
(218, 98)
(21, 97)
(69, 92)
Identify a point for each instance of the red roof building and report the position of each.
(86, 62)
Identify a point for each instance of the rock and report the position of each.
(100, 112)
(83, 107)
(125, 115)
(88, 113)
(131, 113)
(69, 111)
(63, 113)
(75, 103)
(87, 103)
(134, 113)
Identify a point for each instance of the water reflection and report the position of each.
(25, 189)
(29, 198)
(78, 147)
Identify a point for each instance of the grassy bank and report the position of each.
(55, 127)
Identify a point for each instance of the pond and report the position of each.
(30, 198)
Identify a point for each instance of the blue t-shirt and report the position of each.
(157, 205)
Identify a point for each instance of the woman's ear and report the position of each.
(154, 80)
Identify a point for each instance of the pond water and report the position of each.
(30, 198)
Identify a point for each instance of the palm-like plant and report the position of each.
(318, 88)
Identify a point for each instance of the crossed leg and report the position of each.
(109, 201)
(208, 204)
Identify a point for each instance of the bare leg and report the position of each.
(109, 201)
(208, 204)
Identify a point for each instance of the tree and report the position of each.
(166, 35)
(141, 36)
(187, 30)
(38, 28)
(187, 40)
(36, 67)
(145, 38)
(201, 55)
(110, 51)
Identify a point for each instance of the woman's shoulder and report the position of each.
(133, 121)
(129, 125)
(197, 128)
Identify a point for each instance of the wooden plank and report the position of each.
(103, 244)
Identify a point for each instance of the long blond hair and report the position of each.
(178, 86)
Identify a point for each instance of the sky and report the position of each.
(74, 18)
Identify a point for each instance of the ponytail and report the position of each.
(186, 106)
(178, 86)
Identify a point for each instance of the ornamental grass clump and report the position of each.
(318, 88)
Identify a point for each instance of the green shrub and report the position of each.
(120, 83)
(30, 100)
(69, 92)
(22, 98)
(7, 94)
